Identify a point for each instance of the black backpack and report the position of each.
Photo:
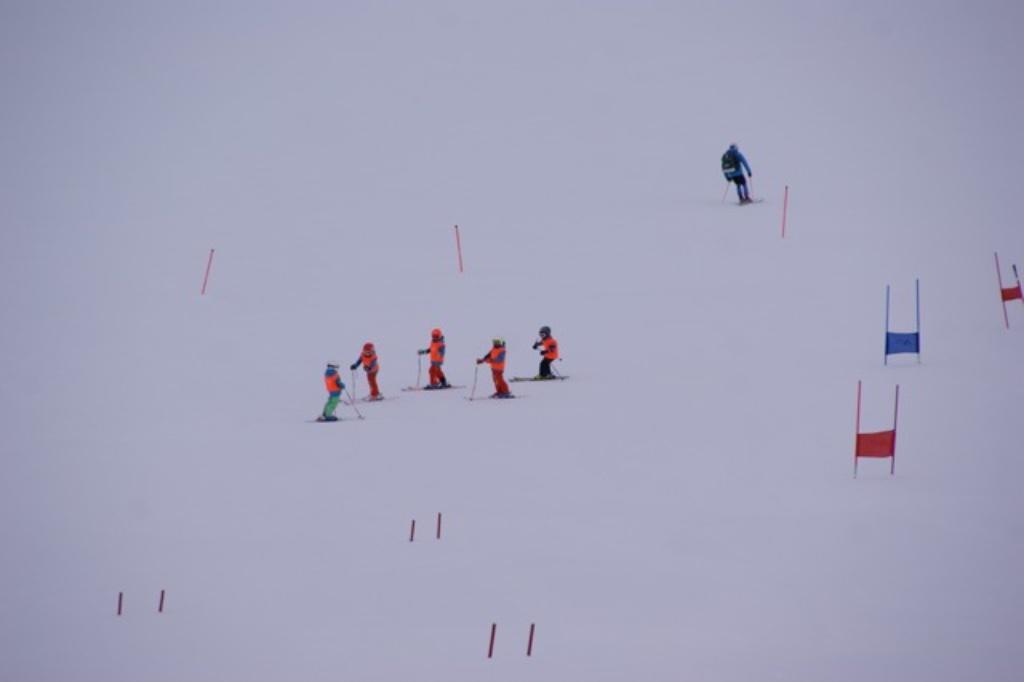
(730, 164)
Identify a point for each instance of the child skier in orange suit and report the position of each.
(496, 359)
(548, 351)
(436, 353)
(368, 359)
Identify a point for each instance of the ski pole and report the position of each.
(476, 371)
(353, 402)
(419, 368)
(750, 192)
(354, 391)
(726, 192)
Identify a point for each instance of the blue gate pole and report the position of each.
(885, 358)
(917, 295)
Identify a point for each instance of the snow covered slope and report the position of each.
(681, 508)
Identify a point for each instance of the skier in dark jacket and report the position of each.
(733, 164)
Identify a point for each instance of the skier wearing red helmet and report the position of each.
(368, 359)
(436, 353)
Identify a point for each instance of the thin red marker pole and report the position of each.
(438, 525)
(120, 602)
(160, 608)
(999, 278)
(412, 531)
(490, 648)
(895, 421)
(529, 644)
(206, 278)
(458, 246)
(856, 435)
(785, 209)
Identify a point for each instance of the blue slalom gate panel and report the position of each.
(903, 342)
(899, 342)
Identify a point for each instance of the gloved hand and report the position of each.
(352, 367)
(535, 345)
(422, 352)
(750, 175)
(480, 361)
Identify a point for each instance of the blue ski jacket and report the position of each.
(738, 173)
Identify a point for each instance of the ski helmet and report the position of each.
(499, 342)
(332, 365)
(367, 347)
(436, 333)
(545, 331)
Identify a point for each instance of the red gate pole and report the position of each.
(529, 644)
(160, 608)
(438, 525)
(458, 246)
(999, 278)
(490, 648)
(412, 531)
(856, 435)
(120, 602)
(206, 278)
(895, 419)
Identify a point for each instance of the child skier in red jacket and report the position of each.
(368, 359)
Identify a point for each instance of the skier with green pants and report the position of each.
(332, 380)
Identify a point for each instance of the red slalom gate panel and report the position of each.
(881, 444)
(877, 444)
(1007, 293)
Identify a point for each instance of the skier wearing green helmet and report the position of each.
(495, 357)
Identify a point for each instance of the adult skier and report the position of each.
(733, 164)
(548, 352)
(368, 359)
(436, 353)
(495, 357)
(334, 388)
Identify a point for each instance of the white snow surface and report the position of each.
(683, 508)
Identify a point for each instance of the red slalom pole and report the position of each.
(160, 608)
(206, 278)
(458, 246)
(120, 602)
(999, 278)
(895, 430)
(529, 644)
(785, 209)
(856, 434)
(412, 531)
(438, 525)
(490, 648)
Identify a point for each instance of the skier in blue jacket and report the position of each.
(733, 164)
